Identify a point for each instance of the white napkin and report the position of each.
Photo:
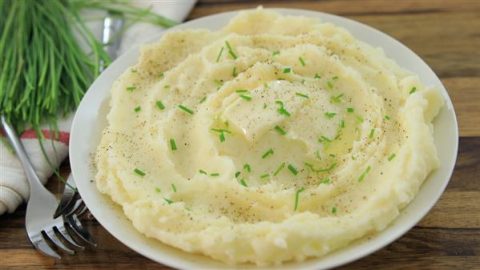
(13, 183)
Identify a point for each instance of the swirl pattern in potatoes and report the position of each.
(276, 138)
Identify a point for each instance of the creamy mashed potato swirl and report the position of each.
(276, 138)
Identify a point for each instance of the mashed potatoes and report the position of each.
(277, 138)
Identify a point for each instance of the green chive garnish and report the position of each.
(279, 169)
(280, 130)
(265, 175)
(234, 72)
(281, 109)
(185, 109)
(243, 183)
(168, 201)
(387, 117)
(219, 83)
(331, 167)
(372, 131)
(230, 50)
(158, 190)
(131, 88)
(292, 169)
(247, 167)
(275, 53)
(301, 95)
(173, 145)
(413, 90)
(214, 174)
(342, 124)
(219, 54)
(139, 172)
(325, 181)
(167, 86)
(203, 99)
(137, 109)
(362, 176)
(317, 76)
(245, 97)
(330, 115)
(160, 75)
(174, 188)
(287, 70)
(334, 210)
(297, 195)
(202, 172)
(392, 156)
(268, 153)
(350, 110)
(336, 99)
(160, 105)
(237, 174)
(221, 136)
(359, 119)
(301, 61)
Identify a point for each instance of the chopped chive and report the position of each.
(268, 153)
(230, 50)
(134, 70)
(342, 124)
(137, 109)
(317, 76)
(160, 105)
(350, 110)
(167, 86)
(325, 181)
(330, 115)
(246, 97)
(335, 78)
(243, 183)
(220, 130)
(203, 99)
(265, 175)
(281, 109)
(185, 109)
(372, 131)
(336, 99)
(362, 176)
(280, 130)
(331, 167)
(297, 195)
(264, 105)
(413, 90)
(219, 54)
(221, 136)
(301, 61)
(202, 172)
(173, 144)
(247, 167)
(387, 117)
(168, 201)
(392, 156)
(139, 172)
(131, 88)
(158, 190)
(359, 119)
(301, 95)
(160, 75)
(279, 169)
(292, 169)
(334, 210)
(287, 70)
(237, 174)
(275, 53)
(329, 85)
(214, 174)
(219, 83)
(174, 188)
(241, 91)
(234, 72)
(323, 139)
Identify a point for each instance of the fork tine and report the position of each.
(78, 203)
(51, 235)
(74, 223)
(61, 230)
(41, 245)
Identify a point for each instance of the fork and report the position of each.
(39, 222)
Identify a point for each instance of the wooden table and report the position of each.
(446, 34)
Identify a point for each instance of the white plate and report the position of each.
(90, 120)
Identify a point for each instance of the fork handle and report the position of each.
(32, 177)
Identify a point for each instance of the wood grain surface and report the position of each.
(446, 34)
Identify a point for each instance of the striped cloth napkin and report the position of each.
(14, 189)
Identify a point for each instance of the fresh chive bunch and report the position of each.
(43, 70)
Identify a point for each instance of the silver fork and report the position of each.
(39, 222)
